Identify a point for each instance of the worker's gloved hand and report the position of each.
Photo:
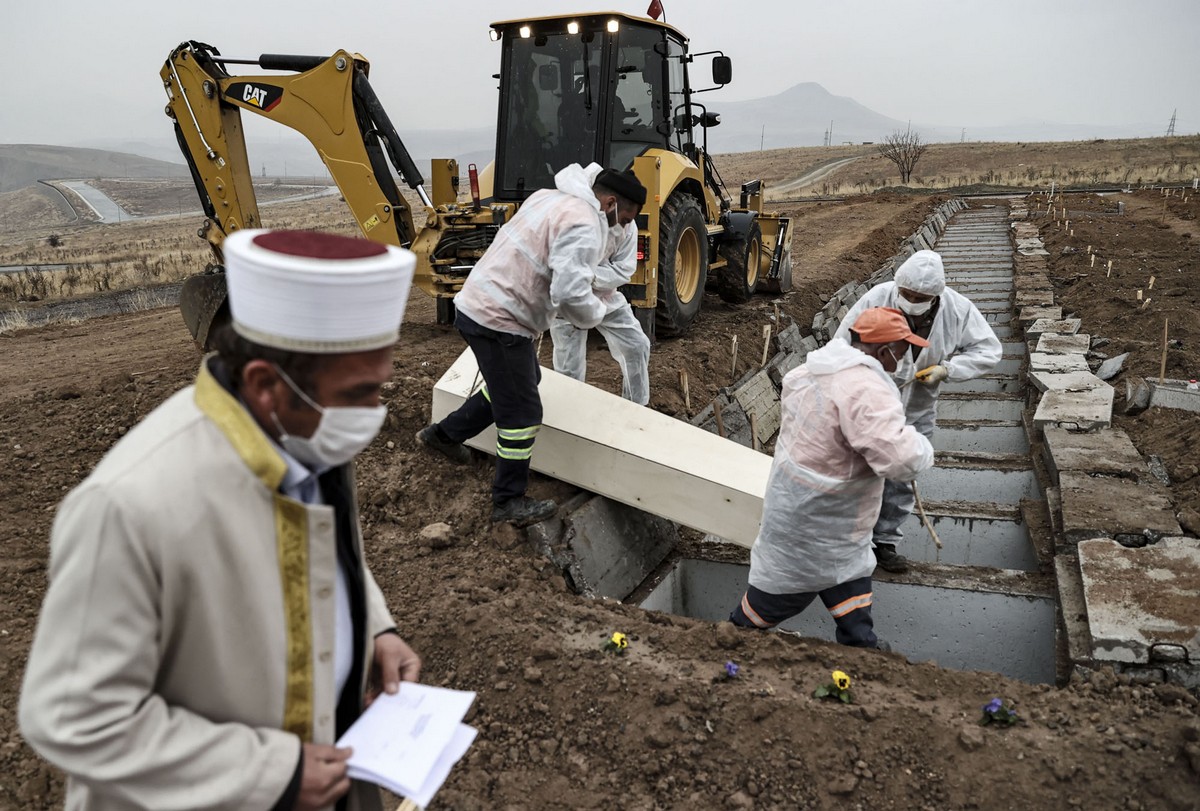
(932, 375)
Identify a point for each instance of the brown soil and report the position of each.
(1158, 236)
(563, 725)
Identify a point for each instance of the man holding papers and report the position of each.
(210, 627)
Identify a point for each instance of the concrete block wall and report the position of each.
(758, 391)
(1122, 565)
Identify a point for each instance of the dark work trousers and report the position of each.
(509, 398)
(849, 603)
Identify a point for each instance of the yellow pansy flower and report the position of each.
(841, 680)
(619, 640)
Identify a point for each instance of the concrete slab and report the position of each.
(1065, 326)
(1074, 608)
(1108, 451)
(1037, 312)
(1111, 507)
(1112, 367)
(616, 547)
(1173, 394)
(632, 454)
(1066, 381)
(1054, 342)
(1058, 364)
(759, 399)
(1026, 298)
(1084, 410)
(1141, 603)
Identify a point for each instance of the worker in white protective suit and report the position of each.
(842, 433)
(962, 346)
(626, 340)
(541, 264)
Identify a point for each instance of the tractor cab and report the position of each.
(578, 89)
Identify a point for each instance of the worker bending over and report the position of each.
(626, 340)
(542, 264)
(842, 433)
(962, 346)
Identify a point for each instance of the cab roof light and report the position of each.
(494, 35)
(572, 28)
(525, 32)
(613, 26)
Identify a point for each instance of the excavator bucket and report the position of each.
(203, 303)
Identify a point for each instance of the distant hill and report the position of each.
(22, 165)
(799, 116)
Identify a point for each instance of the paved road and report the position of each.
(105, 207)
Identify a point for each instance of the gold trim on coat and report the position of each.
(291, 541)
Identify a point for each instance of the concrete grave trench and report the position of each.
(1007, 592)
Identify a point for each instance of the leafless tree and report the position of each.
(903, 148)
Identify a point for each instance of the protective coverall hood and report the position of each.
(542, 262)
(922, 273)
(960, 338)
(577, 181)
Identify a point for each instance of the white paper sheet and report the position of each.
(405, 741)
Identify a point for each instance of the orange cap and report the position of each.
(882, 325)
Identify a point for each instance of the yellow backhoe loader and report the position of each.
(603, 87)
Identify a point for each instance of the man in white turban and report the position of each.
(211, 627)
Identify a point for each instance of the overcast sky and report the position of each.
(78, 70)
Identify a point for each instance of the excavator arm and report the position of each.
(326, 99)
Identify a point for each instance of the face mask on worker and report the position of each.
(913, 308)
(611, 215)
(342, 433)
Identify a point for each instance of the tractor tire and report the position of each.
(682, 264)
(740, 277)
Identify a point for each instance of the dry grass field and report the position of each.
(1136, 162)
(36, 231)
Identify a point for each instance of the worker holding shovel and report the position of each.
(961, 346)
(842, 433)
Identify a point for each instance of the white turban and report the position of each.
(315, 292)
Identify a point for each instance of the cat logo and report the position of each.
(261, 96)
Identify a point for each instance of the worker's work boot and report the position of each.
(523, 511)
(888, 559)
(456, 452)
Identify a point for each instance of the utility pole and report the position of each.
(963, 137)
(1171, 126)
(762, 137)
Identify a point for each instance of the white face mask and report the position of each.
(913, 309)
(342, 433)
